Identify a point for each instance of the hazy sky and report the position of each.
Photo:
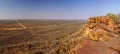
(56, 9)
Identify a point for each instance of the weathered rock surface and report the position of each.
(100, 29)
(102, 37)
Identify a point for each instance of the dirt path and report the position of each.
(30, 27)
(21, 24)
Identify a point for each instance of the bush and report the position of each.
(116, 17)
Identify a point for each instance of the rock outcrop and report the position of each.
(98, 28)
(102, 37)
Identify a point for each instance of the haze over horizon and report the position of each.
(56, 9)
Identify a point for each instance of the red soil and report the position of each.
(94, 47)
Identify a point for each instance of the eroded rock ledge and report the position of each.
(101, 28)
(103, 37)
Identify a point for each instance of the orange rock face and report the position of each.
(99, 28)
(103, 37)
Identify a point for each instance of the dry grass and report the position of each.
(39, 37)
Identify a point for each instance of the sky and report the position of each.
(57, 9)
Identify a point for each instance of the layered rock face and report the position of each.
(98, 28)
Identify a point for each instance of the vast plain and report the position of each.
(35, 36)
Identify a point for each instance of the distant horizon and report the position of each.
(51, 18)
(43, 19)
(57, 9)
